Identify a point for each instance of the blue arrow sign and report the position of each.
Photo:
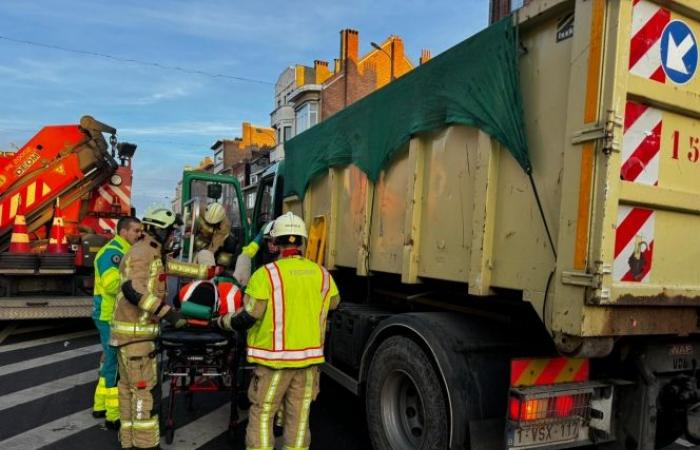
(679, 52)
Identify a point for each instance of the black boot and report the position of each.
(99, 414)
(114, 426)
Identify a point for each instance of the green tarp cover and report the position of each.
(475, 83)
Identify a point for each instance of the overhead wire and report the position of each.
(138, 61)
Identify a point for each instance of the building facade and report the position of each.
(356, 76)
(306, 95)
(297, 102)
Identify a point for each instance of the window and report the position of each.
(306, 117)
(287, 134)
(251, 200)
(254, 179)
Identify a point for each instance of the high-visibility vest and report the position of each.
(289, 334)
(107, 277)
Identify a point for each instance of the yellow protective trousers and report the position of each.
(269, 390)
(138, 406)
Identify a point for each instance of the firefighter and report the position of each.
(214, 241)
(139, 308)
(230, 285)
(107, 283)
(285, 310)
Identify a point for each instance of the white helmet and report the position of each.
(214, 213)
(267, 228)
(159, 217)
(288, 225)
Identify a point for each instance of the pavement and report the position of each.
(48, 371)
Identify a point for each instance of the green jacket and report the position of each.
(107, 278)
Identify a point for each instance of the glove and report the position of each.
(219, 322)
(214, 271)
(175, 318)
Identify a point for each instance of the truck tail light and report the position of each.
(564, 405)
(524, 409)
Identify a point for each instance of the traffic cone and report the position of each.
(57, 239)
(19, 242)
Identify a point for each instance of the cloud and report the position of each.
(36, 71)
(162, 95)
(184, 128)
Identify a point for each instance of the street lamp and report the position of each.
(391, 56)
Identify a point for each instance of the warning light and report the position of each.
(514, 408)
(564, 405)
(535, 409)
(531, 409)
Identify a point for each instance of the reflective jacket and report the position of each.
(290, 333)
(141, 301)
(107, 278)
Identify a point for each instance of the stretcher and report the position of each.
(198, 360)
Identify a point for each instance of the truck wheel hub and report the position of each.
(402, 411)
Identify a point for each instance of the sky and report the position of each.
(174, 116)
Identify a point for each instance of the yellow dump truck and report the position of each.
(513, 227)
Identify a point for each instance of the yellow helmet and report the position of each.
(214, 213)
(159, 217)
(288, 224)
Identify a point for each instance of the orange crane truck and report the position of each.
(76, 168)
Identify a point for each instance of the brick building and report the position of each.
(355, 77)
(498, 9)
(230, 152)
(305, 95)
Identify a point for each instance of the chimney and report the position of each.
(349, 45)
(321, 71)
(424, 56)
(499, 9)
(336, 65)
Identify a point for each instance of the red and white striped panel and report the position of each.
(641, 144)
(108, 192)
(648, 23)
(107, 224)
(634, 244)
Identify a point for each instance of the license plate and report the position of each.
(542, 434)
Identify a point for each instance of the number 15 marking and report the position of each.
(693, 144)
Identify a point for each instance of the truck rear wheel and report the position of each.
(406, 408)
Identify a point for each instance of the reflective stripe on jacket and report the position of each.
(143, 267)
(289, 334)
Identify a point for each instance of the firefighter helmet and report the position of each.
(214, 213)
(288, 224)
(159, 217)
